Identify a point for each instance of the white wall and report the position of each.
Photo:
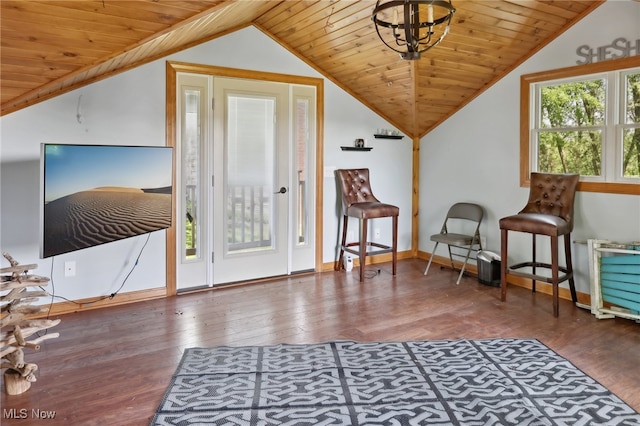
(389, 163)
(129, 108)
(124, 109)
(474, 155)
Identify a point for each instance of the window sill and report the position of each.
(603, 187)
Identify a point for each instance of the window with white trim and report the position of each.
(585, 122)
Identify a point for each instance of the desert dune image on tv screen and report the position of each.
(98, 194)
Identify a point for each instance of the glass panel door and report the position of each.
(250, 141)
(191, 172)
(192, 242)
(303, 99)
(251, 163)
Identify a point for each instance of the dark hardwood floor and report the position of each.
(112, 366)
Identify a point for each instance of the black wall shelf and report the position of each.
(388, 136)
(355, 148)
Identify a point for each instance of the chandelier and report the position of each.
(411, 27)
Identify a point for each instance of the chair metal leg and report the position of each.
(433, 254)
(451, 258)
(464, 265)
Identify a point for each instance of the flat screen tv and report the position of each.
(97, 194)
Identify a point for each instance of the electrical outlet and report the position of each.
(376, 233)
(483, 241)
(70, 268)
(350, 236)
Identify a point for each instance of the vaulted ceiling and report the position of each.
(51, 47)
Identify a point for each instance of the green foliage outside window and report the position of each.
(631, 135)
(576, 104)
(571, 152)
(573, 117)
(580, 106)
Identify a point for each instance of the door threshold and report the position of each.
(243, 283)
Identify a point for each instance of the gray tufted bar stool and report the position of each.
(358, 201)
(549, 212)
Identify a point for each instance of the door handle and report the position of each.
(282, 190)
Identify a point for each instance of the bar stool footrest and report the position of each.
(513, 271)
(380, 248)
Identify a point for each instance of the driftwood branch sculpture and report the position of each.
(18, 326)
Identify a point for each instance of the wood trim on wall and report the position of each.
(319, 174)
(415, 197)
(370, 260)
(91, 303)
(170, 122)
(541, 287)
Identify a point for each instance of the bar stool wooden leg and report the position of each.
(503, 264)
(533, 257)
(554, 274)
(345, 222)
(395, 243)
(363, 246)
(567, 256)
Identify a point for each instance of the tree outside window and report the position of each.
(584, 120)
(631, 127)
(572, 121)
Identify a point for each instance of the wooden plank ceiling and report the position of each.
(51, 47)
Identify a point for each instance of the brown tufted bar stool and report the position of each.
(549, 212)
(358, 201)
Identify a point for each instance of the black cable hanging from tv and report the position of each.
(101, 298)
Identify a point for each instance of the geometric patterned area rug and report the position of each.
(460, 382)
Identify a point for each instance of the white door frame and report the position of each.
(172, 69)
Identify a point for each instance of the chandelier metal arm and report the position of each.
(407, 34)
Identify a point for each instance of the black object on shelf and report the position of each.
(356, 148)
(388, 136)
